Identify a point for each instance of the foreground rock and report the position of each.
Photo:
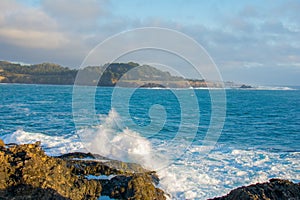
(26, 172)
(275, 189)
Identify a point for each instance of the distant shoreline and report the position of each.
(130, 75)
(127, 75)
(260, 88)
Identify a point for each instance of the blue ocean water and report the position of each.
(260, 138)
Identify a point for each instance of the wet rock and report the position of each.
(137, 186)
(24, 192)
(26, 172)
(27, 166)
(87, 163)
(275, 189)
(2, 143)
(130, 180)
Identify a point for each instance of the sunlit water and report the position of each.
(260, 139)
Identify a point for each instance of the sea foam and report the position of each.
(194, 177)
(53, 145)
(190, 176)
(112, 140)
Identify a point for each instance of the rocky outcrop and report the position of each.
(2, 143)
(26, 172)
(275, 189)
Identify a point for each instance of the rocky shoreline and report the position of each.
(275, 189)
(26, 172)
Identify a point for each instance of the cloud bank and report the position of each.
(250, 42)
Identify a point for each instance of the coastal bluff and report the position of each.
(26, 172)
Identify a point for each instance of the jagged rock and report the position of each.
(27, 166)
(91, 165)
(138, 186)
(275, 189)
(28, 192)
(26, 172)
(131, 181)
(2, 143)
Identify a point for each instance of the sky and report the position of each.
(251, 41)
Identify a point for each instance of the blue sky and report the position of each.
(255, 42)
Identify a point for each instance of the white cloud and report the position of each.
(65, 30)
(75, 9)
(78, 15)
(28, 27)
(32, 39)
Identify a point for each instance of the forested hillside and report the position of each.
(45, 73)
(131, 75)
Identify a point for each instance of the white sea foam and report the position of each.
(54, 145)
(222, 170)
(112, 140)
(190, 177)
(267, 88)
(221, 88)
(273, 88)
(227, 88)
(208, 88)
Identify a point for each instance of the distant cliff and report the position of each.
(121, 74)
(45, 73)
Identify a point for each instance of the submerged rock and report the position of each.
(26, 172)
(275, 189)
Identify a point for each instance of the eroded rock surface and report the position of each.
(275, 189)
(26, 172)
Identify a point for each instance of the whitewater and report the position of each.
(260, 139)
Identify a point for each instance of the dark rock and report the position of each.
(141, 187)
(28, 192)
(275, 189)
(152, 85)
(131, 181)
(28, 165)
(246, 86)
(138, 186)
(26, 172)
(77, 155)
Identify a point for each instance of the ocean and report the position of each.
(256, 138)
